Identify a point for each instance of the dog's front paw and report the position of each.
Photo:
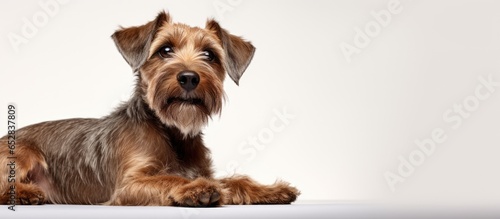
(243, 190)
(285, 194)
(198, 193)
(30, 196)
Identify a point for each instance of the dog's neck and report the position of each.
(137, 113)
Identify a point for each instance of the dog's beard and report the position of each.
(188, 115)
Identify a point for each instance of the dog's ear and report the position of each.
(239, 52)
(134, 42)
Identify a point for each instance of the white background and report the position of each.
(353, 121)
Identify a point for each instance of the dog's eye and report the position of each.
(209, 55)
(166, 51)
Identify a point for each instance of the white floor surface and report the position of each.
(304, 210)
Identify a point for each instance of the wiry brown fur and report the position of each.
(150, 150)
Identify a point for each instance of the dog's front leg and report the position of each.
(242, 190)
(162, 190)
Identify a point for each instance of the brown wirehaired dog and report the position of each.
(149, 151)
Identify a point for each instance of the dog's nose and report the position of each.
(188, 80)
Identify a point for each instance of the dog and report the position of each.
(149, 151)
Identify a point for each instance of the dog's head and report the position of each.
(181, 69)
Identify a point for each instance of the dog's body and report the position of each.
(150, 150)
